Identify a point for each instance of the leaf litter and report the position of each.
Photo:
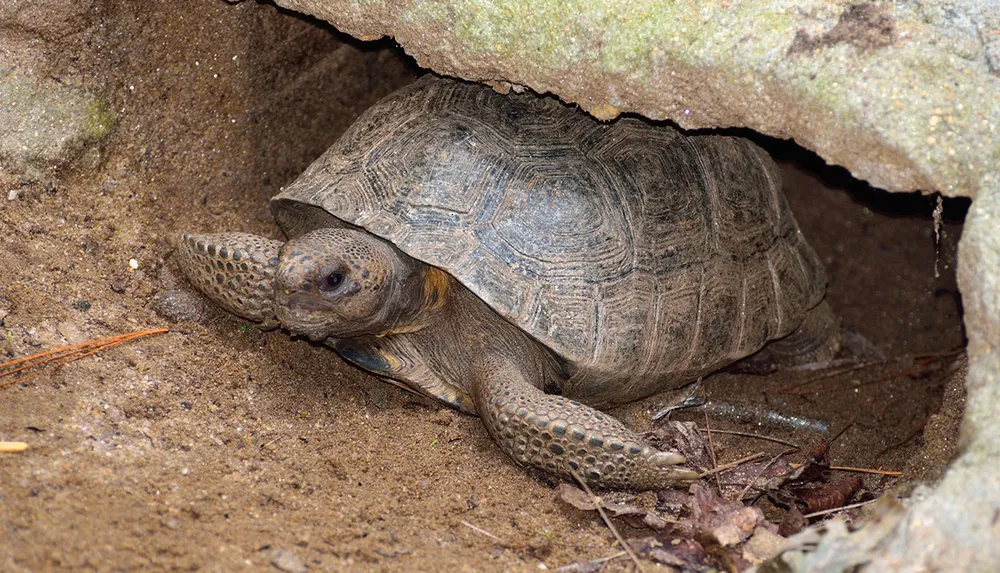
(722, 525)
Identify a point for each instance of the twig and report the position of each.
(867, 471)
(858, 470)
(262, 446)
(752, 435)
(594, 561)
(66, 354)
(711, 452)
(732, 464)
(599, 504)
(797, 388)
(836, 509)
(920, 360)
(482, 531)
(938, 222)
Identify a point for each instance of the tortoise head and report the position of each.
(342, 283)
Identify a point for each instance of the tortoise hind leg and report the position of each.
(564, 437)
(817, 339)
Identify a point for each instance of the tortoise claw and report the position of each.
(663, 459)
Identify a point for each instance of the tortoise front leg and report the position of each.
(558, 435)
(235, 270)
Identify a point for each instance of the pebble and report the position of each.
(114, 413)
(71, 332)
(287, 561)
(178, 305)
(992, 50)
(12, 194)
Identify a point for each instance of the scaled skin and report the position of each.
(412, 322)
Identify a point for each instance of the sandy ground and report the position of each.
(217, 447)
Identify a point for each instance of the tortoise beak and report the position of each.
(303, 314)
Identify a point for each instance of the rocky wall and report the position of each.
(906, 95)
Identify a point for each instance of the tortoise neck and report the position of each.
(420, 299)
(472, 330)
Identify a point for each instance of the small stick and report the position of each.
(599, 504)
(797, 388)
(752, 435)
(711, 452)
(920, 359)
(732, 464)
(12, 447)
(595, 561)
(841, 508)
(262, 446)
(484, 532)
(66, 354)
(859, 470)
(938, 223)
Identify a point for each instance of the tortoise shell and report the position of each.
(642, 256)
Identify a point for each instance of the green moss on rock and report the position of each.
(44, 125)
(100, 121)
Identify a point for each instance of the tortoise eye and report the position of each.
(332, 281)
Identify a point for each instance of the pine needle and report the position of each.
(599, 504)
(51, 358)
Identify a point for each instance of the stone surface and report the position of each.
(45, 124)
(902, 94)
(46, 19)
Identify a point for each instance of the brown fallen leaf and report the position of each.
(828, 495)
(708, 509)
(637, 517)
(793, 523)
(686, 554)
(755, 478)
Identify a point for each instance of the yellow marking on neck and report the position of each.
(436, 286)
(395, 364)
(402, 329)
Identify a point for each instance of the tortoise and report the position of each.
(517, 259)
